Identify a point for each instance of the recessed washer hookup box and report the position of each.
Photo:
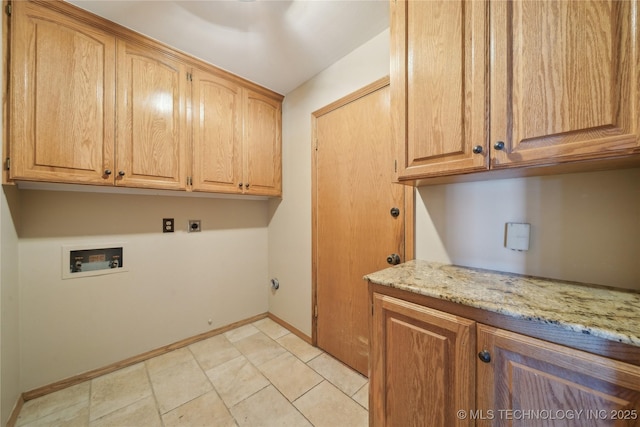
(92, 260)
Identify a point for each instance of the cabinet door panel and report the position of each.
(217, 134)
(422, 365)
(262, 145)
(564, 80)
(151, 138)
(527, 376)
(438, 86)
(62, 113)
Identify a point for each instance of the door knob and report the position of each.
(393, 259)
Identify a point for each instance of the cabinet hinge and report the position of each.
(7, 9)
(189, 180)
(395, 166)
(189, 77)
(315, 311)
(7, 164)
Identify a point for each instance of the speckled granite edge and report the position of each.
(603, 312)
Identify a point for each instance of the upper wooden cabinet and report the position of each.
(564, 81)
(236, 138)
(217, 133)
(262, 144)
(62, 99)
(94, 103)
(438, 96)
(507, 84)
(152, 119)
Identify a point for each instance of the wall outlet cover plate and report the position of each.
(516, 236)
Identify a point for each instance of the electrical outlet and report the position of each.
(167, 225)
(194, 225)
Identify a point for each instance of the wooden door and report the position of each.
(217, 134)
(62, 98)
(354, 232)
(527, 376)
(564, 80)
(152, 130)
(423, 368)
(438, 82)
(262, 143)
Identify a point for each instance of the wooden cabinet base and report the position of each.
(432, 363)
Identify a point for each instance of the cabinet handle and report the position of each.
(121, 173)
(107, 172)
(477, 149)
(246, 185)
(240, 185)
(485, 356)
(499, 145)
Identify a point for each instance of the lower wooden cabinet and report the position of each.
(432, 368)
(536, 383)
(422, 365)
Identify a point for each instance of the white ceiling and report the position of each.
(278, 44)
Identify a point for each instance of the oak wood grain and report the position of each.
(217, 133)
(151, 115)
(62, 98)
(262, 144)
(438, 82)
(423, 365)
(527, 374)
(564, 81)
(353, 231)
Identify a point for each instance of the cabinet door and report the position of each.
(151, 111)
(217, 134)
(62, 98)
(564, 80)
(262, 144)
(529, 381)
(438, 96)
(422, 365)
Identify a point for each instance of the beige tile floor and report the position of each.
(255, 375)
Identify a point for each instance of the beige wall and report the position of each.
(584, 227)
(175, 283)
(9, 303)
(290, 227)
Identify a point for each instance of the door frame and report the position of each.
(409, 197)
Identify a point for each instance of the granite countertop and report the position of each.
(603, 312)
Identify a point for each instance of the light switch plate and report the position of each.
(516, 236)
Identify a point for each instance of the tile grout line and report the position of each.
(268, 346)
(153, 392)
